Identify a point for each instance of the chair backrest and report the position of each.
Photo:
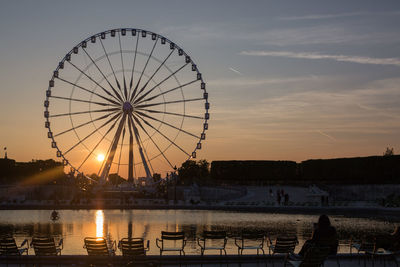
(367, 246)
(44, 246)
(285, 244)
(214, 234)
(96, 246)
(132, 247)
(315, 256)
(172, 235)
(8, 246)
(253, 235)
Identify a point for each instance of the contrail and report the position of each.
(326, 135)
(236, 71)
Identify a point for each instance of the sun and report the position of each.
(100, 157)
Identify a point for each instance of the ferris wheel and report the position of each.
(127, 102)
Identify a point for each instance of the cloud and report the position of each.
(325, 16)
(314, 55)
(339, 33)
(252, 81)
(363, 112)
(338, 15)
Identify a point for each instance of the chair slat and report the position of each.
(132, 247)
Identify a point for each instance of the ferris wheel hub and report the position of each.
(127, 107)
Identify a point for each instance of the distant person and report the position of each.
(286, 199)
(271, 194)
(324, 234)
(55, 216)
(279, 198)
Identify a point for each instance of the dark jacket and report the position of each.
(326, 236)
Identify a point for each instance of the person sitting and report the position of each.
(324, 234)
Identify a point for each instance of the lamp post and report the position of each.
(175, 178)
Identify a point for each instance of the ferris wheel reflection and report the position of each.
(99, 223)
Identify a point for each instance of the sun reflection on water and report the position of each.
(99, 223)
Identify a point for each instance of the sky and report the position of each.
(287, 80)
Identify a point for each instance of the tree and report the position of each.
(156, 177)
(115, 179)
(389, 152)
(194, 172)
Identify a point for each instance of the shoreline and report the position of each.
(377, 212)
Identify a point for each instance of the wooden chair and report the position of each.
(314, 257)
(283, 244)
(216, 241)
(8, 247)
(131, 247)
(177, 239)
(97, 246)
(46, 246)
(250, 240)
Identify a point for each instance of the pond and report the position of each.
(74, 225)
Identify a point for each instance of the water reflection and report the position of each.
(74, 226)
(99, 223)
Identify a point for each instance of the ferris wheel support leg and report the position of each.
(130, 171)
(107, 166)
(146, 167)
(137, 136)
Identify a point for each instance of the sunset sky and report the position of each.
(287, 80)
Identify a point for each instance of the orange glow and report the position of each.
(99, 223)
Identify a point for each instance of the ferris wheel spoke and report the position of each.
(84, 112)
(112, 87)
(131, 165)
(122, 64)
(151, 77)
(166, 92)
(83, 124)
(103, 163)
(109, 62)
(172, 113)
(155, 144)
(163, 135)
(155, 86)
(133, 66)
(144, 69)
(120, 150)
(147, 156)
(98, 143)
(90, 78)
(87, 90)
(166, 123)
(89, 135)
(80, 100)
(140, 146)
(168, 102)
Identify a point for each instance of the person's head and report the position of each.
(323, 221)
